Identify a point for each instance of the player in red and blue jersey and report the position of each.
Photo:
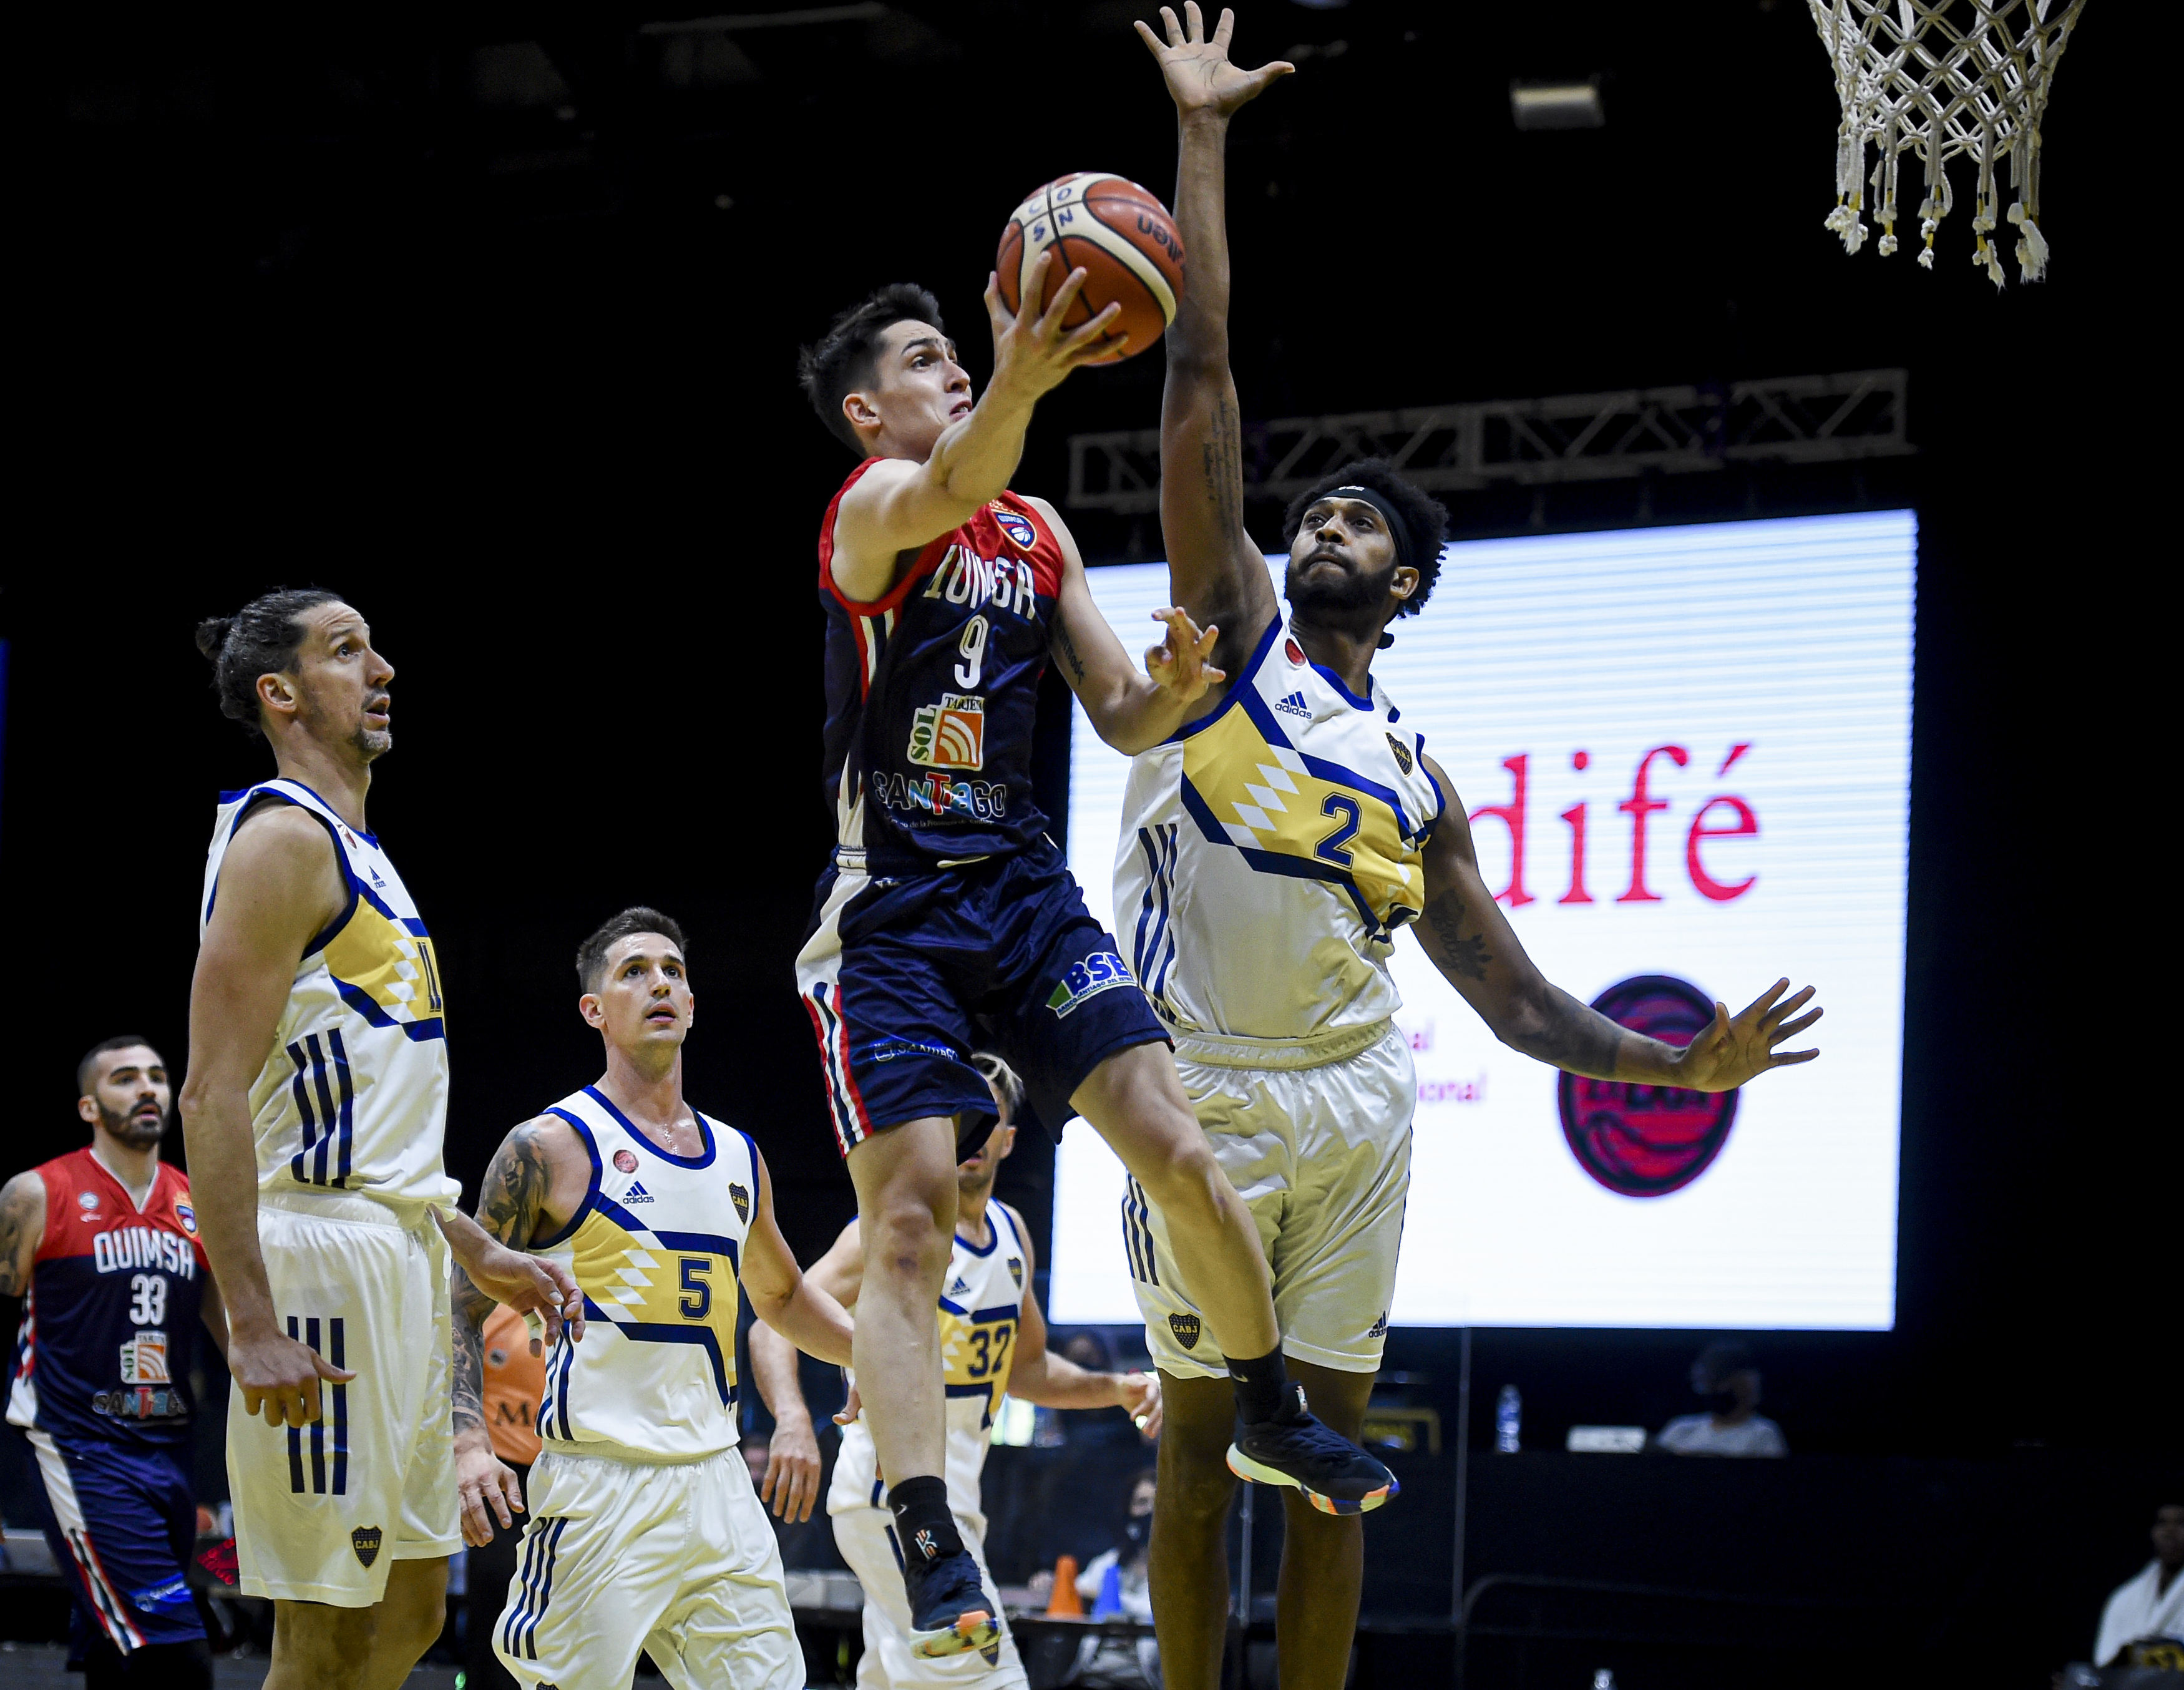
(948, 919)
(102, 1246)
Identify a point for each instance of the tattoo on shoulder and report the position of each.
(16, 1205)
(515, 1187)
(1467, 957)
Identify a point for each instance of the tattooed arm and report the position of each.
(22, 1225)
(1215, 570)
(537, 1180)
(1471, 942)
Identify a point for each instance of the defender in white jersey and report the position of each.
(993, 1344)
(1271, 852)
(313, 1113)
(644, 1531)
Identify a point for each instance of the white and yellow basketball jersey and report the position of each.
(353, 1095)
(1270, 851)
(980, 1304)
(656, 1248)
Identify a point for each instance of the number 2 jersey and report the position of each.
(353, 1095)
(109, 1327)
(981, 1304)
(1269, 853)
(656, 1248)
(931, 692)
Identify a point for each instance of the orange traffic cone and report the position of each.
(1065, 1603)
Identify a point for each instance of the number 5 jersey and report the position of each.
(109, 1327)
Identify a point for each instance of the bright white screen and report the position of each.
(1793, 638)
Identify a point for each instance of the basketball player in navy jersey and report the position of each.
(102, 1246)
(948, 919)
(1281, 917)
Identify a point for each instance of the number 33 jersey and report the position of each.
(656, 1248)
(1270, 850)
(109, 1328)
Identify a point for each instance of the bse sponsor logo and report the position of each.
(365, 1541)
(1186, 1328)
(950, 734)
(1017, 527)
(1647, 1140)
(940, 794)
(1102, 971)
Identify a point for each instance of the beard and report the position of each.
(1343, 595)
(136, 1134)
(970, 1187)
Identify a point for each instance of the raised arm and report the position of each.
(791, 1484)
(1039, 1375)
(898, 506)
(1216, 571)
(1133, 710)
(279, 885)
(1471, 942)
(535, 1182)
(22, 1227)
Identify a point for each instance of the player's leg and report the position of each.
(729, 1621)
(1189, 1562)
(1323, 1554)
(602, 1557)
(413, 1612)
(408, 1620)
(866, 1538)
(906, 1183)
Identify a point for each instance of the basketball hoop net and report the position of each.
(1943, 77)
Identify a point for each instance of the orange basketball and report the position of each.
(1119, 235)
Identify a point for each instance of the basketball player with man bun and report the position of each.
(645, 1534)
(1276, 843)
(315, 1113)
(948, 919)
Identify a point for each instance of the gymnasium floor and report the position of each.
(28, 1666)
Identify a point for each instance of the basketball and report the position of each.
(1118, 234)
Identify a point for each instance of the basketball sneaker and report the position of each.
(1297, 1448)
(950, 1611)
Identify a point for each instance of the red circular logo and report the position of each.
(1294, 652)
(626, 1160)
(1647, 1140)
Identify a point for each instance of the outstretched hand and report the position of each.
(1199, 77)
(1732, 1050)
(1031, 353)
(1179, 664)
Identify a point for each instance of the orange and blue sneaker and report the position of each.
(950, 1611)
(1297, 1449)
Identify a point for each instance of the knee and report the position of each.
(907, 1232)
(1186, 1183)
(1195, 1491)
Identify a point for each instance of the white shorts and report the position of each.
(322, 1512)
(1321, 1155)
(866, 1538)
(677, 1561)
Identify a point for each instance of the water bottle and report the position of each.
(1508, 1412)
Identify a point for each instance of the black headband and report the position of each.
(1399, 531)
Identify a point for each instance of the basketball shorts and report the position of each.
(866, 1537)
(676, 1560)
(121, 1523)
(1321, 1155)
(906, 975)
(322, 1512)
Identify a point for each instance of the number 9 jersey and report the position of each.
(656, 1247)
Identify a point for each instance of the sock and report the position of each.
(923, 1527)
(1263, 1390)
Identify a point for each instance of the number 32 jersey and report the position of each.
(109, 1328)
(931, 692)
(657, 1249)
(1270, 850)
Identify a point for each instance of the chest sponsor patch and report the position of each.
(1102, 971)
(950, 734)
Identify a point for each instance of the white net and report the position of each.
(1942, 78)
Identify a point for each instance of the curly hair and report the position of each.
(841, 360)
(261, 638)
(1422, 515)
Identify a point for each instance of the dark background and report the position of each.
(487, 319)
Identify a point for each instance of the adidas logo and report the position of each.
(637, 1194)
(1294, 704)
(1379, 1327)
(961, 1285)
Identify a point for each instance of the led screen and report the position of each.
(1722, 714)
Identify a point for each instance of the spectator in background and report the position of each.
(1727, 1376)
(1117, 1663)
(2150, 1605)
(514, 1380)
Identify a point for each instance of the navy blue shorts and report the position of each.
(121, 1523)
(905, 975)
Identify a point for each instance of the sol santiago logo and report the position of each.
(1647, 1140)
(1102, 971)
(950, 734)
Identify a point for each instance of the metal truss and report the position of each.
(1529, 443)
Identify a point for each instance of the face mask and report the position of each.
(1720, 1402)
(1136, 1529)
